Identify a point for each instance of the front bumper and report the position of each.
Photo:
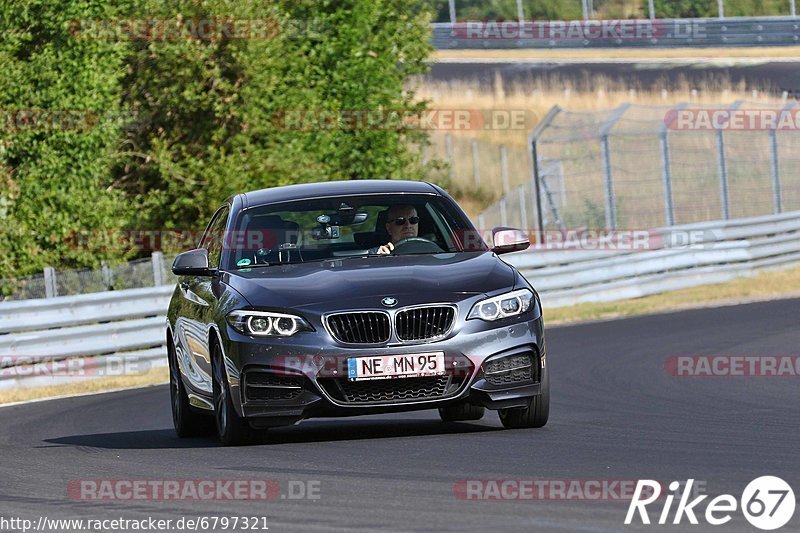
(275, 384)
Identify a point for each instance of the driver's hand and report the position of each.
(386, 249)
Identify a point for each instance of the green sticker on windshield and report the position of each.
(243, 262)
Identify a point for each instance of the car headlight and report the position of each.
(266, 324)
(503, 306)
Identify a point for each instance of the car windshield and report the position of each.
(352, 226)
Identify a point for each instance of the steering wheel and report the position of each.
(416, 245)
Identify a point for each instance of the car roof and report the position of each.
(306, 191)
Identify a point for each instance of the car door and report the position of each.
(201, 296)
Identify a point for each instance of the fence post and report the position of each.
(776, 177)
(651, 8)
(448, 145)
(520, 12)
(50, 287)
(476, 171)
(608, 184)
(532, 142)
(452, 12)
(423, 153)
(504, 169)
(503, 212)
(605, 157)
(721, 9)
(792, 8)
(107, 275)
(523, 215)
(666, 172)
(775, 163)
(584, 9)
(158, 268)
(723, 170)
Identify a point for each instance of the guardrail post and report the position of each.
(452, 11)
(476, 171)
(792, 8)
(504, 169)
(423, 154)
(584, 9)
(721, 9)
(520, 12)
(481, 222)
(651, 9)
(50, 287)
(158, 268)
(503, 212)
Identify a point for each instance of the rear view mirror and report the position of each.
(192, 263)
(509, 240)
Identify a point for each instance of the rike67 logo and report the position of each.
(767, 503)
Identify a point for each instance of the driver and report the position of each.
(402, 222)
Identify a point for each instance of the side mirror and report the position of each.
(509, 240)
(192, 263)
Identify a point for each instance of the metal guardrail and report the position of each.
(719, 251)
(131, 323)
(698, 32)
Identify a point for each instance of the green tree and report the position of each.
(56, 146)
(208, 111)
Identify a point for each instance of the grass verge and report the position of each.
(764, 286)
(153, 376)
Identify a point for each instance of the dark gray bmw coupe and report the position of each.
(351, 298)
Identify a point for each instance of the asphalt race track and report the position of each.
(616, 415)
(775, 76)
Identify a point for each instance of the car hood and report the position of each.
(353, 281)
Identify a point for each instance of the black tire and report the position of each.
(461, 411)
(535, 415)
(232, 429)
(186, 421)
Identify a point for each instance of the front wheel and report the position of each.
(232, 429)
(535, 415)
(187, 422)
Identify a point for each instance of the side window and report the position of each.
(215, 237)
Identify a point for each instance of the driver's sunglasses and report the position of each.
(401, 221)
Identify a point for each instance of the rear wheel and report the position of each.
(187, 422)
(462, 411)
(535, 415)
(232, 429)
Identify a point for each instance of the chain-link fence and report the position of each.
(149, 272)
(649, 166)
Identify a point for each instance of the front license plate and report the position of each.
(396, 366)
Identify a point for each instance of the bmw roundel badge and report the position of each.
(389, 301)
